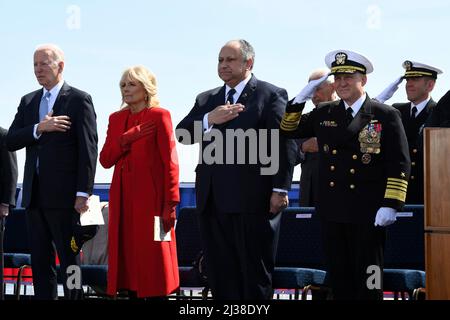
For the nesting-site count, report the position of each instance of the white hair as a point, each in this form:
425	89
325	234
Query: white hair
319	73
56	52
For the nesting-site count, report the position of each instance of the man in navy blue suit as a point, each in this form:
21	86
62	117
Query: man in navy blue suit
239	197
57	126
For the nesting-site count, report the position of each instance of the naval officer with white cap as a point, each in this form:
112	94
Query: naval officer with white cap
420	81
364	169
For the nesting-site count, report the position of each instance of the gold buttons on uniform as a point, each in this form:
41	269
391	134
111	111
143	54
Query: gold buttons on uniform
332	168
355	157
412	178
352	186
414	150
352	171
334	151
331	184
413	164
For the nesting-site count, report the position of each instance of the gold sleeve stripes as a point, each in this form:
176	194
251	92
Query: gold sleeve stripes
396	189
290	121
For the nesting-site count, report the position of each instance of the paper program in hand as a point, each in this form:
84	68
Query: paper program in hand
93	216
160	234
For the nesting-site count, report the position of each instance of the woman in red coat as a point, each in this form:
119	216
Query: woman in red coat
144	188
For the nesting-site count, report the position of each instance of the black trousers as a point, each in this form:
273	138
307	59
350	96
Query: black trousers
51	231
239	251
350	250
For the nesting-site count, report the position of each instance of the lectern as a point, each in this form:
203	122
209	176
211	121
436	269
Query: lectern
437	212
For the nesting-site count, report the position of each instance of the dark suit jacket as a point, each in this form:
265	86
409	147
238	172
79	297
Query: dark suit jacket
440	116
413	128
309	180
8	172
240	188
352	189
67	160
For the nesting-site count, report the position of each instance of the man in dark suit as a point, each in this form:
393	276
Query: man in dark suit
57	126
8	176
8	184
239	197
308	147
440	115
420	81
364	169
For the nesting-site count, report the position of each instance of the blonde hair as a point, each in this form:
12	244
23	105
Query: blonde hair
148	81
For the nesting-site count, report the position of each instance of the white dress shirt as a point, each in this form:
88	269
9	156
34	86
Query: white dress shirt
419	106
357	105
239	88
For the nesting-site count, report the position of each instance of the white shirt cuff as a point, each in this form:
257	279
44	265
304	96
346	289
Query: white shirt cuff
36	136
279	190
82	194
206	129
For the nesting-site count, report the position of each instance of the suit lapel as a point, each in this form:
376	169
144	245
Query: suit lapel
248	91
426	111
60	100
405	110
361	119
35	103
218	99
337	113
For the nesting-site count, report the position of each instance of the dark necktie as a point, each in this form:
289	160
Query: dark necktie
349	115
413	112
230	95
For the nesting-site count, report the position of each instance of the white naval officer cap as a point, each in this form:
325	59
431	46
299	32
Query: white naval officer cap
417	69
346	61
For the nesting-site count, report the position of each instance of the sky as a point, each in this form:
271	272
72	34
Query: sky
180	41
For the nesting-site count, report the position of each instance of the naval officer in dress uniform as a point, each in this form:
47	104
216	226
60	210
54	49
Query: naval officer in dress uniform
364	169
420	81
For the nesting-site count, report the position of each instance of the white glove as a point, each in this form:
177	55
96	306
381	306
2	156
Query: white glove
308	91
389	91
385	216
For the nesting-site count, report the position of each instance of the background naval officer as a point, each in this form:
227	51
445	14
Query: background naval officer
308	148
364	170
420	81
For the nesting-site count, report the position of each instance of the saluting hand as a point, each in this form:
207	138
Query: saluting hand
224	113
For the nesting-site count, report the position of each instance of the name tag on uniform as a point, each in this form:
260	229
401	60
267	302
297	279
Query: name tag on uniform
328	123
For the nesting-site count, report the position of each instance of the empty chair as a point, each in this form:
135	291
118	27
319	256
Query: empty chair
404	257
300	259
189	248
16	246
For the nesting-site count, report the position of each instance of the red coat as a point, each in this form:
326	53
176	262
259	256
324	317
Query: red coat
145	178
